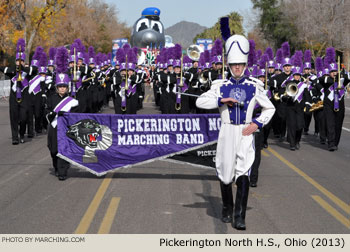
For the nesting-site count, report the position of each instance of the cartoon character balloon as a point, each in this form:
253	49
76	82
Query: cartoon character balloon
148	30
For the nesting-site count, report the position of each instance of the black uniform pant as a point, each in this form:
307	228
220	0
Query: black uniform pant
307	119
254	172
281	118
18	116
295	124
320	124
35	112
334	124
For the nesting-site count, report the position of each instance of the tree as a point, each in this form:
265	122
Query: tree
275	27
12	25
235	22
39	12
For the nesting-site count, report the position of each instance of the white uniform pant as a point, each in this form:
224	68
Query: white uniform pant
235	153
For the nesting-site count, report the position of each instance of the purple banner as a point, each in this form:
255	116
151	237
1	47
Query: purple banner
104	142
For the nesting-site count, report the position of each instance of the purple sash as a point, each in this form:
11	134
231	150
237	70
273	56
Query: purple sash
34	84
300	97
288	79
19	88
338	94
63	103
123	95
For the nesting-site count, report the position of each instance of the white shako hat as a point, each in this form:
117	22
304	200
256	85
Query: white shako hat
237	49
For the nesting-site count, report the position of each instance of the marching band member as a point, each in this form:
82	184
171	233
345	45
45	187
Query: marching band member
236	99
57	105
334	107
292	94
19	97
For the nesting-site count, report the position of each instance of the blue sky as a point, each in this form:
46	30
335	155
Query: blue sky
205	12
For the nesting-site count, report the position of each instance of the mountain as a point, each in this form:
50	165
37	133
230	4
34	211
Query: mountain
184	32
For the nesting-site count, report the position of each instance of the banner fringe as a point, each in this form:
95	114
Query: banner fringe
141	163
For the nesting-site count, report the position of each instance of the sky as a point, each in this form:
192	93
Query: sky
205	12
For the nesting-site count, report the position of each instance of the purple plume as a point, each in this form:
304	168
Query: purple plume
126	46
319	64
86	57
52	53
269	53
120	55
286	50
43	60
187	59
132	56
206	56
279	56
217	47
21	45
201	59
307	56
225	28
252	53
72	46
258	54
264	59
80	47
91	52
330	56
61	60
298	59
99	58
177	51
38	51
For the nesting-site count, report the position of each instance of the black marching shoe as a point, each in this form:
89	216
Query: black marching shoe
62	177
297	146
227	202
15	142
253	184
332	148
21	139
266	145
241	202
292	148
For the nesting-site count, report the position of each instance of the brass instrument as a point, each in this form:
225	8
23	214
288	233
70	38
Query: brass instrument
194	52
126	73
93	75
20	78
126	87
178	105
291	91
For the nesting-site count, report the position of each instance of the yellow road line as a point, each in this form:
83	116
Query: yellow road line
95	203
264	153
345	207
332	211
109	216
146	99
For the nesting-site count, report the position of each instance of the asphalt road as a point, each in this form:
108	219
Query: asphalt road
306	191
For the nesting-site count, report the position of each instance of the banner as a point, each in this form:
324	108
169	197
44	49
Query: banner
104	142
116	44
205	44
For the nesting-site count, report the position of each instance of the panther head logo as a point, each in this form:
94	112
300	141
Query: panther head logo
85	133
91	136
